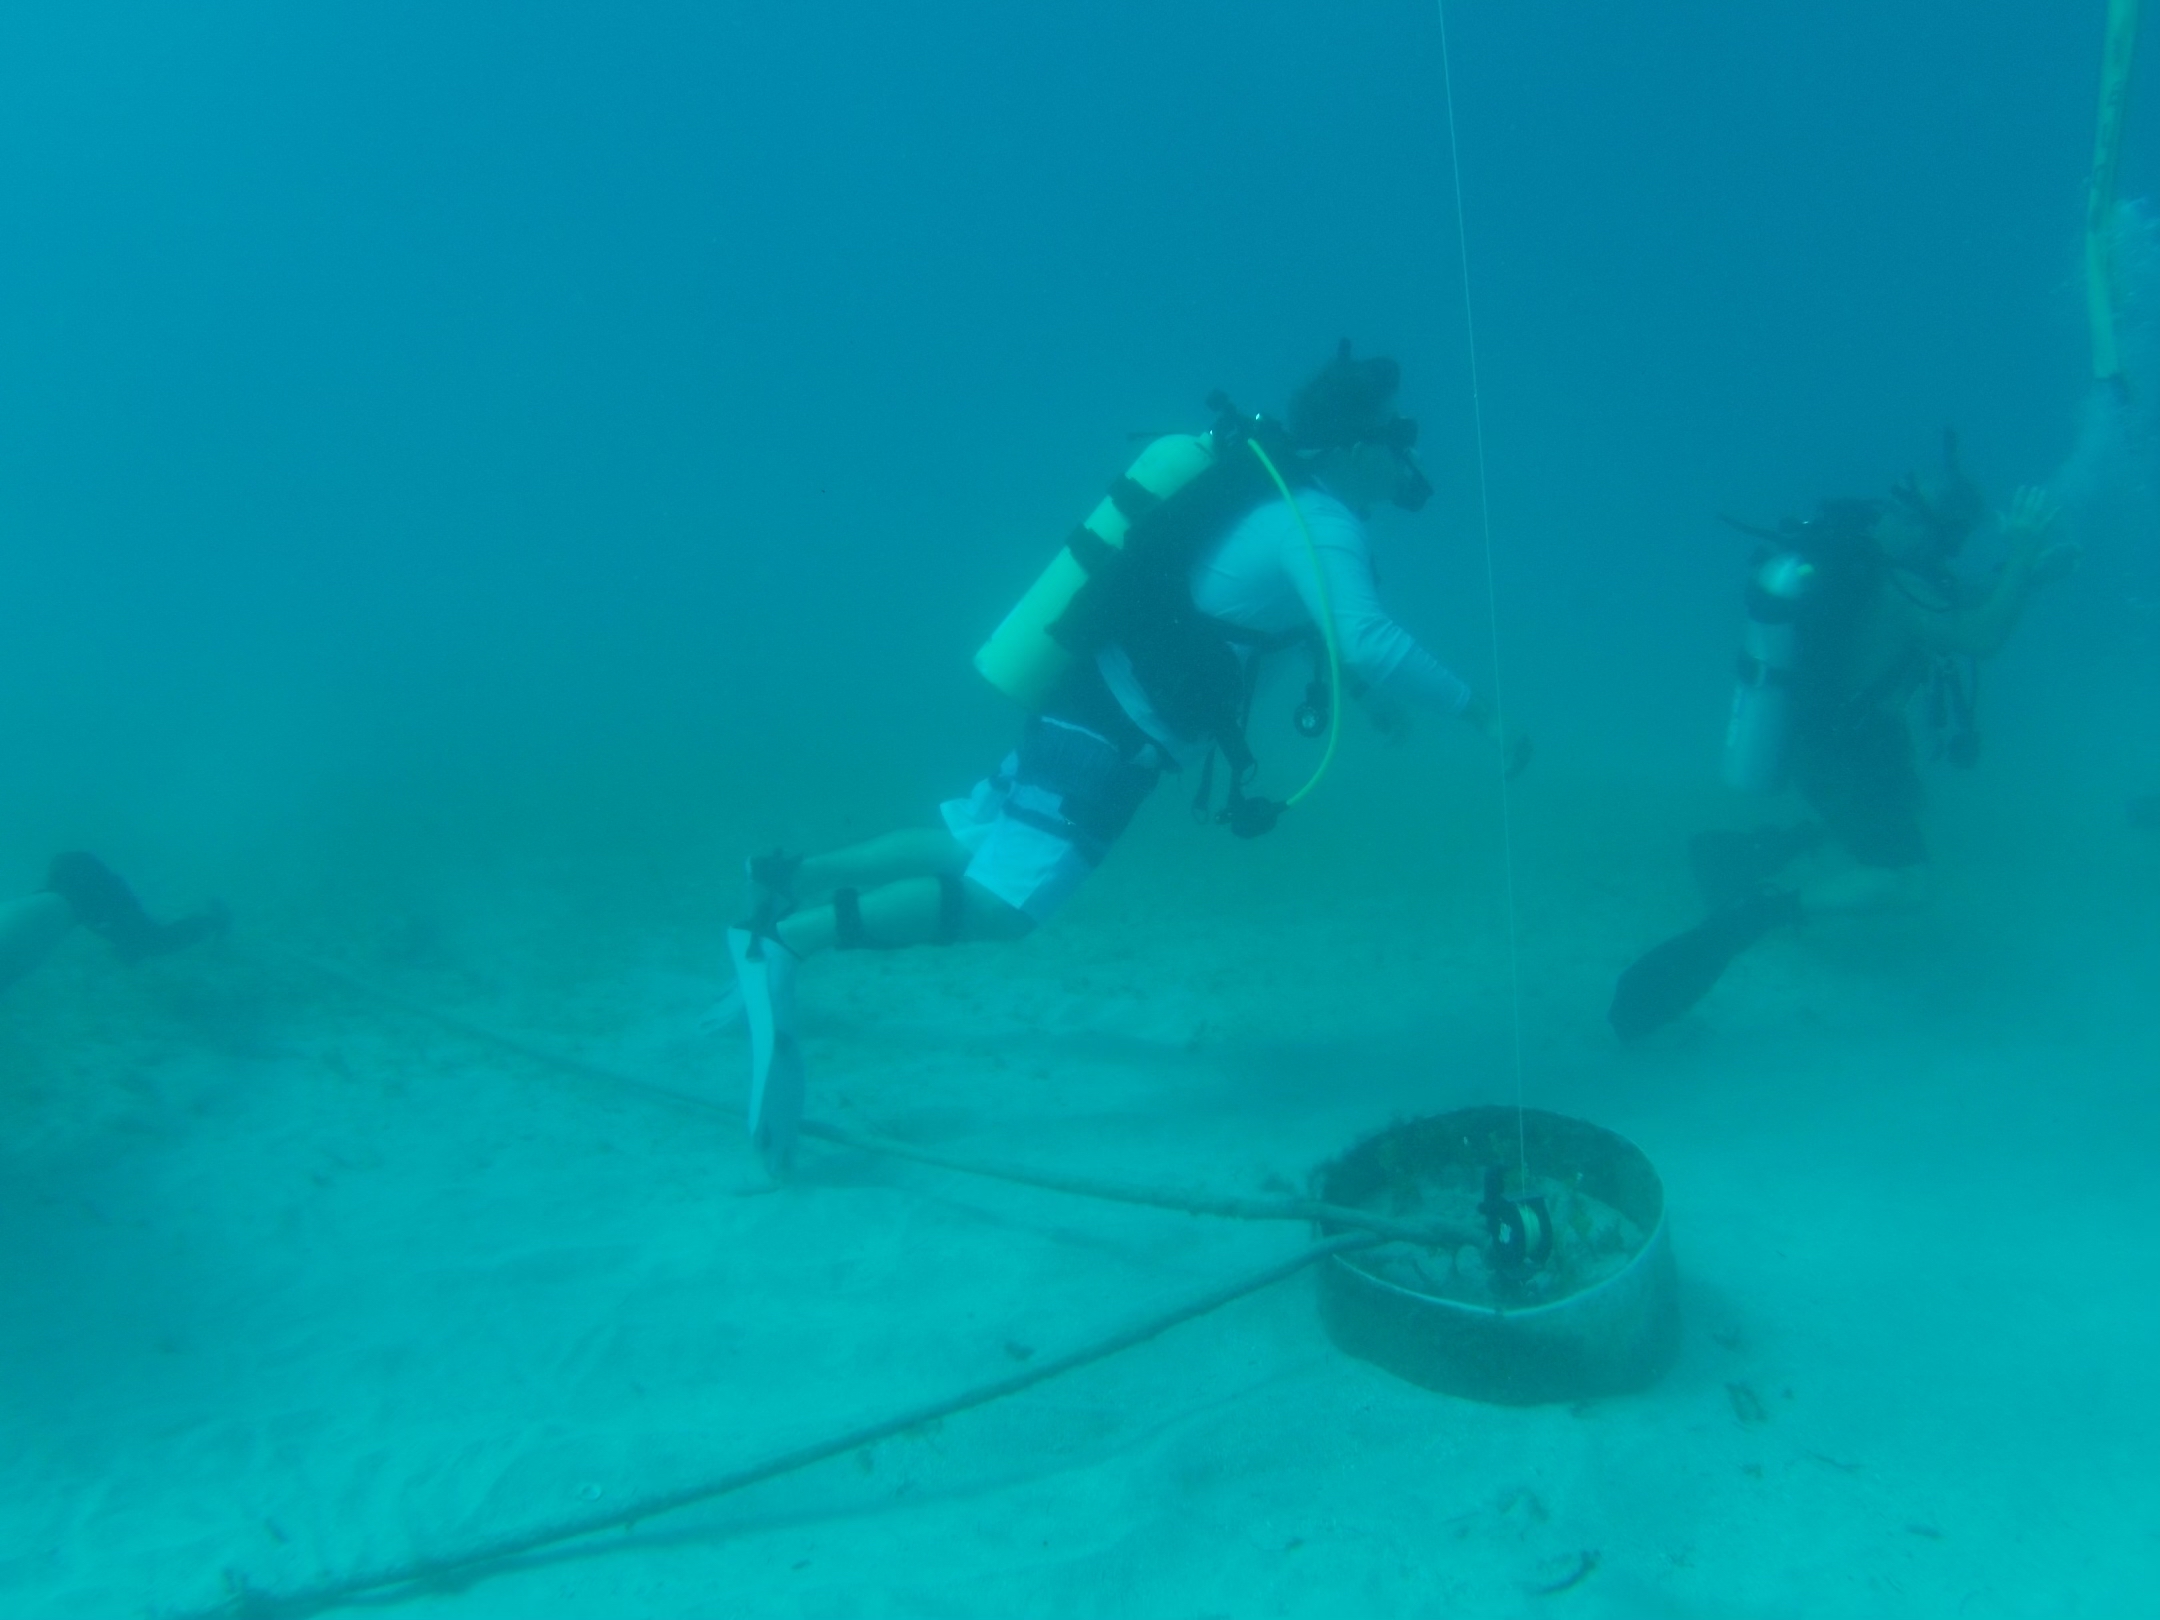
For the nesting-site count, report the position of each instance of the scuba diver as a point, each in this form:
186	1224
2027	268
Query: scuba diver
1135	654
1852	616
80	888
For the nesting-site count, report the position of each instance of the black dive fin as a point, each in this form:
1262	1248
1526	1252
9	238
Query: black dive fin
107	907
1670	978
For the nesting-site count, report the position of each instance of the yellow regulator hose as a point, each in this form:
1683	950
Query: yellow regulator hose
1327	628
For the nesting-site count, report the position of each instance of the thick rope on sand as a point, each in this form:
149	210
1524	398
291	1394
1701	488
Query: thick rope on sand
430	1576
425	1576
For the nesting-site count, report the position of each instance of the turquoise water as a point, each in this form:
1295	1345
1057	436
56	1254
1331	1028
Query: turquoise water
470	476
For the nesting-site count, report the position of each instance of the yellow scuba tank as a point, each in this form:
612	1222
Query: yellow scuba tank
1021	658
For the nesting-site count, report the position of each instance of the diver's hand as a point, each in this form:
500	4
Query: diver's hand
2025	526
1514	746
2025	530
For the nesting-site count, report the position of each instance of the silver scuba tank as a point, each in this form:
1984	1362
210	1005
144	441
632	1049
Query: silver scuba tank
1761	721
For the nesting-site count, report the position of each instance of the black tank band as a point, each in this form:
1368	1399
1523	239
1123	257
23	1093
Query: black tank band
952	908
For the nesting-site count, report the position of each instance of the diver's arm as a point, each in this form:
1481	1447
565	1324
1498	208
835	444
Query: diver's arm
1381	654
1981	631
1374	649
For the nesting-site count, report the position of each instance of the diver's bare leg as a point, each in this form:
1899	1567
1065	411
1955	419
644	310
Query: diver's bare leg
900	880
913	852
909	912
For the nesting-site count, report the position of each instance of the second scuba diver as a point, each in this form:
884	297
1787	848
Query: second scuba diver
1135	654
81	889
1853	615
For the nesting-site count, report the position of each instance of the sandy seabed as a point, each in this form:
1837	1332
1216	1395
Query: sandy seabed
297	1284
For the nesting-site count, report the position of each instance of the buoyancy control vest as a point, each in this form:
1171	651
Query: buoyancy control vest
1123	578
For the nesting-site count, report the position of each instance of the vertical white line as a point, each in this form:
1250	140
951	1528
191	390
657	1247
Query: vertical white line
1492	598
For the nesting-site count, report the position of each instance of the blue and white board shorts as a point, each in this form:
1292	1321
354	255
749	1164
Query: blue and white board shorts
1048	815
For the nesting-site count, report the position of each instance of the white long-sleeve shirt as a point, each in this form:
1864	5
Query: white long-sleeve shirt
1260	577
